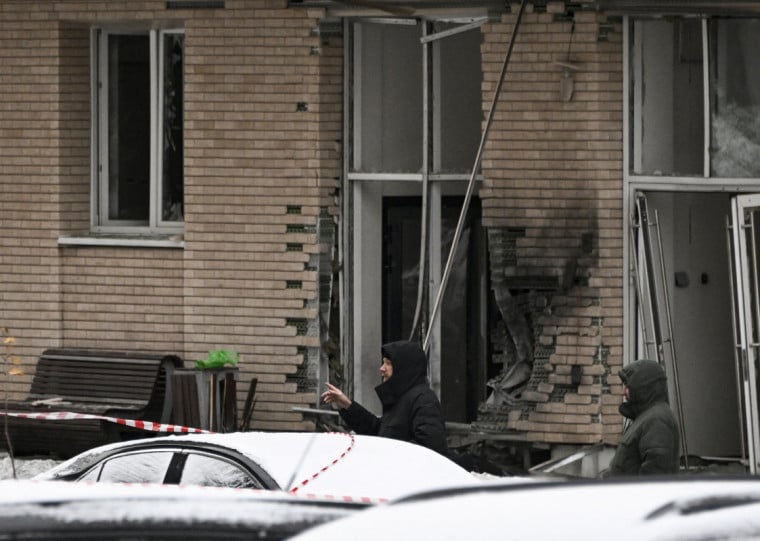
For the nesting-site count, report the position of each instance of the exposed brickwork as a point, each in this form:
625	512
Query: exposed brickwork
553	183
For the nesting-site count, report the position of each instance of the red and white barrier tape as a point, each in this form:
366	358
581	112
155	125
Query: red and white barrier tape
134	423
178	429
317	474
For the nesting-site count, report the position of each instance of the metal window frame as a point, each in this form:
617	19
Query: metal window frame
437	184
651	183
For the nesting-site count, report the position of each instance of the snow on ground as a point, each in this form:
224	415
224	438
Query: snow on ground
26	467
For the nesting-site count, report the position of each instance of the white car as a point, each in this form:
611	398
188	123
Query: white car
677	508
54	511
366	469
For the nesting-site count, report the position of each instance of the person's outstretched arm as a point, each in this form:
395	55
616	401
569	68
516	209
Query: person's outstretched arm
333	395
358	419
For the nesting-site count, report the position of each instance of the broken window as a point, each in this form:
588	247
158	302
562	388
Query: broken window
388	66
670	114
667	98
416	114
458	103
735	98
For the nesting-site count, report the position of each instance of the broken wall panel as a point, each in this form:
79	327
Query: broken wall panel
551	195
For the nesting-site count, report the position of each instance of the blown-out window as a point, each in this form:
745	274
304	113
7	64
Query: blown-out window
138	135
694	98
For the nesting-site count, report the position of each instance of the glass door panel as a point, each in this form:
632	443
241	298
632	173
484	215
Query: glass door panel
461	381
745	239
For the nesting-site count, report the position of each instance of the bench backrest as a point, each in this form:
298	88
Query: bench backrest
107	377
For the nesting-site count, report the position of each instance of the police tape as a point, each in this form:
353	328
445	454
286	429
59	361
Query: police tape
178	429
134	423
328	466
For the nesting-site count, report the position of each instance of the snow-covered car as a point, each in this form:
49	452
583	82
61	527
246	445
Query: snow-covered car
668	509
363	468
54	511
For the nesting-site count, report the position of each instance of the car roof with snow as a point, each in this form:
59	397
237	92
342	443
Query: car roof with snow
337	464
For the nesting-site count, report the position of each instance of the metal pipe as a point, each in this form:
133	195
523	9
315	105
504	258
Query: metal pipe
471	183
421	281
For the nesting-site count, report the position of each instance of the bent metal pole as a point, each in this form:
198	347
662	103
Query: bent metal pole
471	183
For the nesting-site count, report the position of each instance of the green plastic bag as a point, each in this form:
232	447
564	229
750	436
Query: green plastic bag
217	358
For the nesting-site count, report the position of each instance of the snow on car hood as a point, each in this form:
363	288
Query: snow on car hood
677	508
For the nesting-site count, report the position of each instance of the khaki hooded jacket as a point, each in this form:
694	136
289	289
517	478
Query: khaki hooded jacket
651	444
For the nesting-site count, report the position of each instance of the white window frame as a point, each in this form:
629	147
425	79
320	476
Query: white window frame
99	203
365	191
641	182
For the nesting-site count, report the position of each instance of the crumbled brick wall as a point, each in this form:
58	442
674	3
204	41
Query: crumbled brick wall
552	200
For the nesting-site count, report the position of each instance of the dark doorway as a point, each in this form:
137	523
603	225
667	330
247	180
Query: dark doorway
464	350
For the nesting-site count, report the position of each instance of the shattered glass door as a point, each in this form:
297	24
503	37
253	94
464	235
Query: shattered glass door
654	303
745	259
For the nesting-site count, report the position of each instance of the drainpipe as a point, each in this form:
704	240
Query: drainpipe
471	183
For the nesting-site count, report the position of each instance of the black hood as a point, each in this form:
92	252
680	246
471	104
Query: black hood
409	369
647	385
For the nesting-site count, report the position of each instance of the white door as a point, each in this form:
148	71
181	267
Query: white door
743	230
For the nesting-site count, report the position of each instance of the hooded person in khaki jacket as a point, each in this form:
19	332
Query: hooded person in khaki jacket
651	443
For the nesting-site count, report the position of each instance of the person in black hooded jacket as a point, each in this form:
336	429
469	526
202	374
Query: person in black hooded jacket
411	410
651	443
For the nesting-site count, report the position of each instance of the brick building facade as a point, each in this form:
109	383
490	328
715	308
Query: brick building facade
293	168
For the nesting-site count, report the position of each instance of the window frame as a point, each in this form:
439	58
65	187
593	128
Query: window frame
365	190
633	182
99	200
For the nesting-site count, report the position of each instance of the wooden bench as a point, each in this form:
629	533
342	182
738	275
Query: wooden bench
130	385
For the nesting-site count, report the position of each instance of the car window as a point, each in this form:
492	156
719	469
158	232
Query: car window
144	467
211	471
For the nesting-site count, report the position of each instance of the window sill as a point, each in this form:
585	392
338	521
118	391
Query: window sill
131	241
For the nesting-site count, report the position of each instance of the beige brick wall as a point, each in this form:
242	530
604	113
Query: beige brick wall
29	168
263	116
258	174
553	171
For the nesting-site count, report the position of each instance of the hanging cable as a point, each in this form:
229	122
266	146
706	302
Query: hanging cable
471	183
421	282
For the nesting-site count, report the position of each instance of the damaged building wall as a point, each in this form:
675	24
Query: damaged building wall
552	203
319	354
